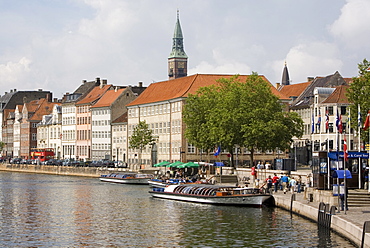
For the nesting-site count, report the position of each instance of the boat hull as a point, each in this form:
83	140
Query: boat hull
144	181
245	200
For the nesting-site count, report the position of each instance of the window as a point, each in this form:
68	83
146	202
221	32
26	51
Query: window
191	148
330	110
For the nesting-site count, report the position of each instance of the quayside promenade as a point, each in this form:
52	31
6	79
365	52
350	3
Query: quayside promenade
348	223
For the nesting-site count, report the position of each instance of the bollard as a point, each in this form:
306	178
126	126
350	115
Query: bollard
292	199
366	229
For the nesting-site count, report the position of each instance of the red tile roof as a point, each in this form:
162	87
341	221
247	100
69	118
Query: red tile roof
108	98
338	95
94	94
182	87
121	119
293	90
40	108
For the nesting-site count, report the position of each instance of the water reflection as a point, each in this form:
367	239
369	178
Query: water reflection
44	210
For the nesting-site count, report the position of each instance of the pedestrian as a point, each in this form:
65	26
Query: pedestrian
285	181
293	185
259	165
299	184
269	183
343	193
275	182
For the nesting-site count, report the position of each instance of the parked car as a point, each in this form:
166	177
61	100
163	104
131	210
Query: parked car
15	160
120	164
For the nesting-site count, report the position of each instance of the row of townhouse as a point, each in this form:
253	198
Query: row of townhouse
82	127
93	123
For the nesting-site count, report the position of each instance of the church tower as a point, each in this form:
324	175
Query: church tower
178	60
285	79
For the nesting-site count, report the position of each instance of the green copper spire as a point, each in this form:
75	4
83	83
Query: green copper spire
178	45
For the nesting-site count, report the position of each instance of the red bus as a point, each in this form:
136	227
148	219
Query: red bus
42	154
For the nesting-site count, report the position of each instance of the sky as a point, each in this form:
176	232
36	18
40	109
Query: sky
55	44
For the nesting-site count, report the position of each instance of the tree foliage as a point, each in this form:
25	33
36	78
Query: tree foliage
359	92
141	136
2	144
234	113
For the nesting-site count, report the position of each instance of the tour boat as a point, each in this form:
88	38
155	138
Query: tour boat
159	183
126	178
218	195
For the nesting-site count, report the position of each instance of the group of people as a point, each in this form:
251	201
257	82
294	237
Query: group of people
284	183
266	166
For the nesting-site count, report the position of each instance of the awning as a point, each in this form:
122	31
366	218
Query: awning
340	174
218	164
163	163
175	164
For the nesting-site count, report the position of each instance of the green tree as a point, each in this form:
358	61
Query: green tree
233	113
2	144
141	137
358	93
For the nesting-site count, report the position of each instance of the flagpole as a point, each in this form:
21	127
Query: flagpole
345	150
359	146
327	144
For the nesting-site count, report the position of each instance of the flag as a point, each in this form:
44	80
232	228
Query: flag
367	121
345	149
217	151
319	121
338	122
327	120
313	124
359	118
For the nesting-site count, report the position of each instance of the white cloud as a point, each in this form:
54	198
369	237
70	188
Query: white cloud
310	60
12	72
352	26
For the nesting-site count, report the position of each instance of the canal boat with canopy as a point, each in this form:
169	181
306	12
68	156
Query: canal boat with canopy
217	195
126	178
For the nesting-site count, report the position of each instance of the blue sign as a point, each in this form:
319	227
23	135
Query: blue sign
333	155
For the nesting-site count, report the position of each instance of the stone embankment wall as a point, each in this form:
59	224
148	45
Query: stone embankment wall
339	223
60	170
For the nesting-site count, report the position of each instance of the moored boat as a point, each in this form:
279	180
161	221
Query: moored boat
218	195
160	183
126	178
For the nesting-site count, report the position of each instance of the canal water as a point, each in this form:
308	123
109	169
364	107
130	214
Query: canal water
39	210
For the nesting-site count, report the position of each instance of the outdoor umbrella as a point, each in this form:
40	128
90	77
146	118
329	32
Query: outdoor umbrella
188	165
163	163
175	164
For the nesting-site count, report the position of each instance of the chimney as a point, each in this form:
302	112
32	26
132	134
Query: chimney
84	81
310	79
11	91
104	81
97	80
277	85
40	89
140	84
49	96
55	99
15	90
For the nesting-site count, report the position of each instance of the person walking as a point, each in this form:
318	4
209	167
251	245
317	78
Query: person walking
293	184
299	184
343	193
285	181
269	184
275	182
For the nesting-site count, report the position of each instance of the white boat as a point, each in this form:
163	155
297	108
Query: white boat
218	195
159	183
127	178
